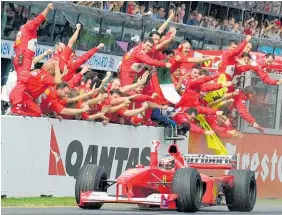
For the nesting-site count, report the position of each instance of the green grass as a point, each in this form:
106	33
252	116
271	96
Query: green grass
38	202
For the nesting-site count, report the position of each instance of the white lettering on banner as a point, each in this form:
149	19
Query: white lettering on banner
5	48
99	61
255	163
247	160
273	161
264	165
280	169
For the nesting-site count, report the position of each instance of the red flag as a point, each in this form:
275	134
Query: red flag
155	86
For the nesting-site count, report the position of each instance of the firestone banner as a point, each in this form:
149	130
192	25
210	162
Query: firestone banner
259	153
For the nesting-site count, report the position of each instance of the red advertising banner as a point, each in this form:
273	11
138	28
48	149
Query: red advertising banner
259	153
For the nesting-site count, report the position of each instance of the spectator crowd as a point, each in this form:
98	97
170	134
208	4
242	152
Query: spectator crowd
270	29
62	90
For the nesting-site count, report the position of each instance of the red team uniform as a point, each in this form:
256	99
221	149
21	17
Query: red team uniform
228	62
25	47
74	64
39	83
258	70
133	64
240	105
39	80
183	62
222	131
51	102
181	117
64	56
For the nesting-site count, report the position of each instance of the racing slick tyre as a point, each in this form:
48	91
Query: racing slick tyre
90	178
187	184
242	195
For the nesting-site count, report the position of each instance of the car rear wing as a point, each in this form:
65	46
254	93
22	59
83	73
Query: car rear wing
202	161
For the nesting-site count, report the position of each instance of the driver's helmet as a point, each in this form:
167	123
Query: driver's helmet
167	162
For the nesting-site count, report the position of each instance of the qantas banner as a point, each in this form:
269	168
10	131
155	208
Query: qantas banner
259	153
42	156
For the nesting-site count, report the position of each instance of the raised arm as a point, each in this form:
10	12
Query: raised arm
117	107
57	78
202	80
96	100
165	24
36	22
240	105
150	61
240	47
72	111
92	92
74	37
99	115
134	112
199	60
264	76
40	57
165	42
86	56
139	83
207	87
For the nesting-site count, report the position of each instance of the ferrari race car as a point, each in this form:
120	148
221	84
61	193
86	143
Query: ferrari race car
173	182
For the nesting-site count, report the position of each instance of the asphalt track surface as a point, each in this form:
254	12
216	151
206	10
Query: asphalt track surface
133	209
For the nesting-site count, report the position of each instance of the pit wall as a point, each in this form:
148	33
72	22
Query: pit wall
42	156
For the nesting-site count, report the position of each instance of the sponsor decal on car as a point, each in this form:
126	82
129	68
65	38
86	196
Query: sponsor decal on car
164	202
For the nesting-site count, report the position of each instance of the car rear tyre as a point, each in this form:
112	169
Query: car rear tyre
187	184
90	178
242	196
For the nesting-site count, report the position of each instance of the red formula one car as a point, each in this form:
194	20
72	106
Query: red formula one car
173	182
